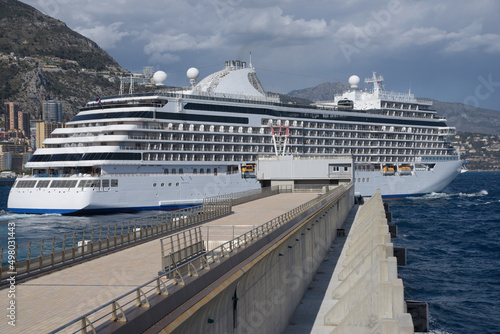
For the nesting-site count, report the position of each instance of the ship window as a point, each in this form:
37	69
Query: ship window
346	169
202	171
177	184
161	115
215	171
114	183
174	171
86	156
170	184
42	184
181	171
105	183
195	171
208	171
165	171
89	184
25	184
154	184
63	184
163	184
367	179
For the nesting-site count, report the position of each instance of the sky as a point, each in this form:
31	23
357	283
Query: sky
447	50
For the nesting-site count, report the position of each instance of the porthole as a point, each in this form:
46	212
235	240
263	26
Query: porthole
163	184
177	184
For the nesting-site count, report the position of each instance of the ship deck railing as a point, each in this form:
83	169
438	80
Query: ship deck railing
245	99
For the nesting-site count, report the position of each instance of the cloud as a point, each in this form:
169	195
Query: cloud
467	39
105	36
272	23
307	42
471	38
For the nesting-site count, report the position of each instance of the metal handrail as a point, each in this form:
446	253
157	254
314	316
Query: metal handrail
49	252
208	259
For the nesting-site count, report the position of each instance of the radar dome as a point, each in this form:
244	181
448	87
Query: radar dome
354	81
193	73
159	77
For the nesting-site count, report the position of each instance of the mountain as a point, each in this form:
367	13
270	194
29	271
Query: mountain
468	118
28	32
464	117
322	92
41	58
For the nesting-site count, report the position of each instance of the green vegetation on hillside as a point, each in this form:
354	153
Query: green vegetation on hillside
9	85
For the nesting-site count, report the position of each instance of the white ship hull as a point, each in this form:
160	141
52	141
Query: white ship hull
133	193
415	184
175	192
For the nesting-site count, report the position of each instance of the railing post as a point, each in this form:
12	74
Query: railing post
73	248
53	248
107	237
41	255
64	248
28	259
92	242
83	244
116	227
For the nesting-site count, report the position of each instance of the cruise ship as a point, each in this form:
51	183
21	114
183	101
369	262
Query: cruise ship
173	147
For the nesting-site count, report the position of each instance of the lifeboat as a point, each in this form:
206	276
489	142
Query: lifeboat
388	170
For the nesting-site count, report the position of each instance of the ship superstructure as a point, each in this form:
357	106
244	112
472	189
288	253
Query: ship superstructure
174	147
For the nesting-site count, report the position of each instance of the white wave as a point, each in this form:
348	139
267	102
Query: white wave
478	194
8	216
435	195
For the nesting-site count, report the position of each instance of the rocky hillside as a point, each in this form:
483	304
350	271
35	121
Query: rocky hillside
40	57
27	32
470	119
464	117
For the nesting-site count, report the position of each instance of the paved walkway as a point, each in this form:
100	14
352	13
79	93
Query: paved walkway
50	301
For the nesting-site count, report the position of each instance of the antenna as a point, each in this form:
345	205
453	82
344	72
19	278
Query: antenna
131	89
250	62
376	81
121	86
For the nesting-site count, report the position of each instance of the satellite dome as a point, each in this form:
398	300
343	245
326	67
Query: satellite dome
193	73
354	81
159	77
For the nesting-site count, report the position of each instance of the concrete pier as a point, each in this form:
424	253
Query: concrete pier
325	266
363	293
47	302
260	293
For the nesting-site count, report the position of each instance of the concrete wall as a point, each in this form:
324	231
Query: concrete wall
262	296
365	295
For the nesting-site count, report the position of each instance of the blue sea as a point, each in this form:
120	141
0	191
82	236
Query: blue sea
452	240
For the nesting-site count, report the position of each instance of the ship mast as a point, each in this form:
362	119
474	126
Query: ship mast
376	81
